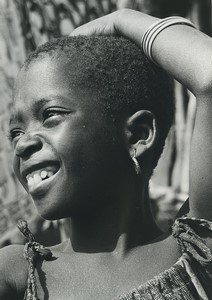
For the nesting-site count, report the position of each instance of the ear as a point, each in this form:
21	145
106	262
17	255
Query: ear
142	132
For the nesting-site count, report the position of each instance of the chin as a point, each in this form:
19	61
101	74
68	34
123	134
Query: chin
51	215
51	212
51	206
56	206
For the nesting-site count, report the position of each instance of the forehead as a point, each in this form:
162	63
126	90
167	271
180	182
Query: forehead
47	79
42	77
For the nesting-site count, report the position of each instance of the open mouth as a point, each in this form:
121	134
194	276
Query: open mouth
41	177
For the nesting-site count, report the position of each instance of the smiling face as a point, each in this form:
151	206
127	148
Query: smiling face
64	150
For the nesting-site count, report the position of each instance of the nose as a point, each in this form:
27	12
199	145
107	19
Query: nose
27	145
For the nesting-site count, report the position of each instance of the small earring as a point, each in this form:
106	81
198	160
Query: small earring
136	164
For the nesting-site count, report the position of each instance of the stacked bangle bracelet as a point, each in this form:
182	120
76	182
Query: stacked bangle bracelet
152	32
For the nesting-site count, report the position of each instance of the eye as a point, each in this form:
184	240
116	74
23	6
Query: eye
49	113
53	116
13	134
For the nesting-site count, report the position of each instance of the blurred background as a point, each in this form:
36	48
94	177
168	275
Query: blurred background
25	24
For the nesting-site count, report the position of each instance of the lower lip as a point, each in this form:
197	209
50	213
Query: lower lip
42	188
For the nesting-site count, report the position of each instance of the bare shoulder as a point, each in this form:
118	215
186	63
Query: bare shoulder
13	272
155	257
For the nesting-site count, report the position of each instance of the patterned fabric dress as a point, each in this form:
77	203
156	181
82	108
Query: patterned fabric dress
190	278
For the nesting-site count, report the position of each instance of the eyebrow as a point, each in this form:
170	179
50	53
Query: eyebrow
17	117
38	105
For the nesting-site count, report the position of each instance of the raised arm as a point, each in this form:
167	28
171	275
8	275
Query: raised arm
186	54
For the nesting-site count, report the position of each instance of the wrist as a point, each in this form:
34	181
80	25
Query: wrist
156	28
132	24
120	19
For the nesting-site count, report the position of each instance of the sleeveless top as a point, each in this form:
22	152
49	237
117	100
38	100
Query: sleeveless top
190	278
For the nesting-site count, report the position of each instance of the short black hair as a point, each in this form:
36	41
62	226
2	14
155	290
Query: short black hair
118	72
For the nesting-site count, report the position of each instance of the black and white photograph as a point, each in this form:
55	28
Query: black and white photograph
105	150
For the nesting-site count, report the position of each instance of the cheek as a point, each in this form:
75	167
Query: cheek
79	156
89	154
16	166
74	143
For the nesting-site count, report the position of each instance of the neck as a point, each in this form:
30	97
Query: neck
124	224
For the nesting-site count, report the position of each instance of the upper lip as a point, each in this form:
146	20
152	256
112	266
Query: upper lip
34	166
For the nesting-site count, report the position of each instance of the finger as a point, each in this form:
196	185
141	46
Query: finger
93	27
101	26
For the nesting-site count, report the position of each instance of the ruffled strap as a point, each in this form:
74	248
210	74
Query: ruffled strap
185	231
32	249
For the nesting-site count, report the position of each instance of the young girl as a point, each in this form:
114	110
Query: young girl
87	132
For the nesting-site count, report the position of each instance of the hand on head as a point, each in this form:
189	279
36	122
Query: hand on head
102	26
124	22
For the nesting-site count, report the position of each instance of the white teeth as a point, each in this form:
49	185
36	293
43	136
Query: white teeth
43	174
37	178
50	173
30	181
